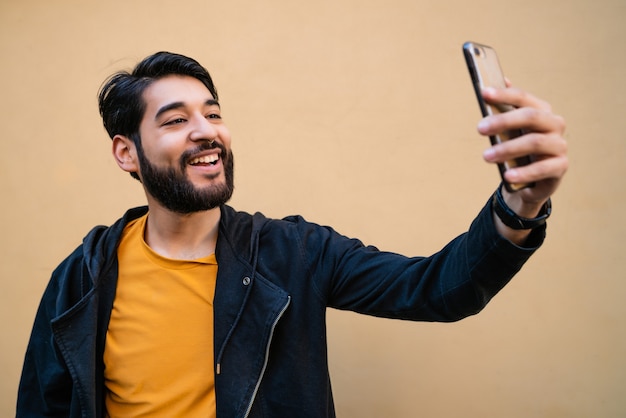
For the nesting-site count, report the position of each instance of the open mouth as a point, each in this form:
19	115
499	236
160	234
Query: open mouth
209	160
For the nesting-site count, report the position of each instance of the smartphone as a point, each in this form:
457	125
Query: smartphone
485	71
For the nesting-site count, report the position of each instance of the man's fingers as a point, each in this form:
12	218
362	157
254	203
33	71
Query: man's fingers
539	170
527	118
538	144
515	97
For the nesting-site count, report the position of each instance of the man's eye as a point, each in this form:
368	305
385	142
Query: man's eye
174	121
214	116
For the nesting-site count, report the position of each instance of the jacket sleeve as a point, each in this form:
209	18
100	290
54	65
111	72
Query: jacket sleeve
456	282
46	388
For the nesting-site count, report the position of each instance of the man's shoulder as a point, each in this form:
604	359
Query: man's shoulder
100	243
257	221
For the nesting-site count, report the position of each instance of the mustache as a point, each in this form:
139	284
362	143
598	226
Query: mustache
204	146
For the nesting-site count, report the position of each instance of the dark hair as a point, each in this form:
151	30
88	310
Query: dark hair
120	98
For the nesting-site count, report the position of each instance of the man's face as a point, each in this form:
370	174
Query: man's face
185	160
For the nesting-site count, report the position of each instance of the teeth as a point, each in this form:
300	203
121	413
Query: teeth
208	159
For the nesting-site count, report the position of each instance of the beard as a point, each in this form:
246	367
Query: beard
171	187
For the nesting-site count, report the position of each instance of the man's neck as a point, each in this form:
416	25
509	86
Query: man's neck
182	237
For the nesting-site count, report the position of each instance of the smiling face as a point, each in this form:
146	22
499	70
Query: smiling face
184	155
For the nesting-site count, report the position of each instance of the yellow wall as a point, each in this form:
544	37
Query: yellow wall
358	114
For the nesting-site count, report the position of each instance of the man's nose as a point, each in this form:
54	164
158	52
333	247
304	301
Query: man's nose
203	130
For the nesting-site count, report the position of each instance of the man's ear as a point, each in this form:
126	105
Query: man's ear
125	153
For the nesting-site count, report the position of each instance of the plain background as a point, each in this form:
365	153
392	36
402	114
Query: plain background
358	114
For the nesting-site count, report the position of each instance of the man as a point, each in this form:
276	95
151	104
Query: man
138	321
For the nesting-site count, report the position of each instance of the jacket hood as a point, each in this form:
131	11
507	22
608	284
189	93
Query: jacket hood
100	244
240	230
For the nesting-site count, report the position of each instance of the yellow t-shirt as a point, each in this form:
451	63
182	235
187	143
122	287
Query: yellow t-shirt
158	354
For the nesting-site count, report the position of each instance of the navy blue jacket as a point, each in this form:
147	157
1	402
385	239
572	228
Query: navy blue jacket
275	280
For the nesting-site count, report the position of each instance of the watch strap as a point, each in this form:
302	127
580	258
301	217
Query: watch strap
512	219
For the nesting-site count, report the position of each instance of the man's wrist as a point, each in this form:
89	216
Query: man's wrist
513	220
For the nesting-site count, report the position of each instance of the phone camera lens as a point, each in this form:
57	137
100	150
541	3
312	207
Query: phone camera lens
477	51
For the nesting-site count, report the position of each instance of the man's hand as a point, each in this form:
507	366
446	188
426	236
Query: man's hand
543	140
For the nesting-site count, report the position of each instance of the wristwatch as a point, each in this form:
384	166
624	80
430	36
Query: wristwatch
512	219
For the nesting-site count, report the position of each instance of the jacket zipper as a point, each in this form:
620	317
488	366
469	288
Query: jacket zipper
267	355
